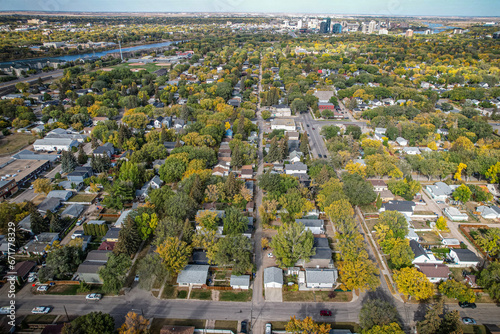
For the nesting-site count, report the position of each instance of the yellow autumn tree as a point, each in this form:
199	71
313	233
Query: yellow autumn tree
460	168
174	254
297	326
414	283
356	168
134	324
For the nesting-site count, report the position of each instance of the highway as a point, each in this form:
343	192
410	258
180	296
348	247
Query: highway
55	74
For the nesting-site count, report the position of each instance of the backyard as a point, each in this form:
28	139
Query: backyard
14	142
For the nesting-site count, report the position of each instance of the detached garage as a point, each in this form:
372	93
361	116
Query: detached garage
240	282
273	277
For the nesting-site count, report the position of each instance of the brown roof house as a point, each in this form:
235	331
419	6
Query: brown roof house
246	172
434	272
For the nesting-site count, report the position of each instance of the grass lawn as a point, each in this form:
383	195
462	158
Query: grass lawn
474	329
201	294
63	290
298	296
158	323
82	198
182	294
231	296
339	296
148	67
39	319
169	292
14	142
227	324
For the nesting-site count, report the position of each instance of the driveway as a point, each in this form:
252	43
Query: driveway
274	295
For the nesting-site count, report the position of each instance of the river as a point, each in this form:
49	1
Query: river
90	54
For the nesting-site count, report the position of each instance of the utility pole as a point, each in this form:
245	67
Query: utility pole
120	46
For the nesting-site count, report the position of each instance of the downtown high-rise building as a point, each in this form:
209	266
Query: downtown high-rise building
336	28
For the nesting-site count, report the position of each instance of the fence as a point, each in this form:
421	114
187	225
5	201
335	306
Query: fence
472	240
63	282
216	287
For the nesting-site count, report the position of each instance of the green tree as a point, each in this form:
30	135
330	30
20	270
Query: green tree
146	224
151	268
358	190
395	221
234	251
234	222
172	170
274	153
330	131
401	253
462	193
354	131
82	157
304	145
490	279
292	243
377	312
92	323
68	162
61	262
113	274
38	223
437	321
457	290
129	239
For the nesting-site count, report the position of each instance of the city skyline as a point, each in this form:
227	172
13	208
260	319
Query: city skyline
355	7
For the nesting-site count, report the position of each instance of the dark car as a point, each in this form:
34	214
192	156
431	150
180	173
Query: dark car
307	125
243	327
325	313
467	305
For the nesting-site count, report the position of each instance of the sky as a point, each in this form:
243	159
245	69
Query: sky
370	7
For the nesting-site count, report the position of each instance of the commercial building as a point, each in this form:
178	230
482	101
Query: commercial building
283	124
54	144
21	171
336	28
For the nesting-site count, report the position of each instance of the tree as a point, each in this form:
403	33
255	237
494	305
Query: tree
490	241
175	254
396	223
330	131
274	153
42	185
130	171
266	114
457	290
234	251
308	325
437	321
354	131
341	214
38	224
490	279
113	274
392	328
441	224
291	243
298	106
377	312
493	172
358	273
146	224
61	262
234	222
172	170
237	157
232	186
92	323
283	148
304	144
134	324
68	162
412	282
293	204
359	191
208	220
129	239
401	253
151	268
462	193
82	157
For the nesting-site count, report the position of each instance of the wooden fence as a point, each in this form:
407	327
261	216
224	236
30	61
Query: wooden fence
204	286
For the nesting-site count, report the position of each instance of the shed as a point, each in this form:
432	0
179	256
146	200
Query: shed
240	282
273	277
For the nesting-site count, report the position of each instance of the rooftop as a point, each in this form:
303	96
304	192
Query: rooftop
193	274
273	275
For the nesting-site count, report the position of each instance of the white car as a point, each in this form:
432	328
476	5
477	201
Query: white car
268	329
93	296
77	235
31	279
136	278
41	310
270	255
42	288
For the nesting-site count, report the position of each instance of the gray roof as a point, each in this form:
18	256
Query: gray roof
321	275
193	274
242	280
89	267
108	147
400	206
440	189
25	223
49	204
273	275
296	166
98	256
200	257
112	233
311	222
62	194
465	255
30	155
55	141
68	184
119	222
73	210
417	249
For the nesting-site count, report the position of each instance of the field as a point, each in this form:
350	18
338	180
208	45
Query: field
151	67
14	142
232	296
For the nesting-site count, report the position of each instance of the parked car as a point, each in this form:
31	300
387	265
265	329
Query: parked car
136	278
467	305
268	329
325	313
42	288
468	321
270	255
77	234
41	310
93	296
243	327
307	125
5	310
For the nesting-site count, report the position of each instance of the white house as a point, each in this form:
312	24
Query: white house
193	275
63	195
273	277
439	191
455	214
54	144
492	212
404	207
463	257
379	133
321	278
316	226
240	282
296	168
295	156
283	124
411	150
421	256
401	141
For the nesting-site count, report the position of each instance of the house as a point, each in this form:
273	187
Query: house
296	168
316	226
420	255
170	145
22	270
246	172
492	212
322	257
107	245
158	122
123	216
80	174
73	211
193	275
411	150
439	191
71	186
49	204
435	272
168	329
379	185
295	156
112	234
401	141
220	171
404	207
283	124
158	163
54	144
240	282
386	195
96	120
66	134
379	133
273	277
154	183
455	214
63	195
321	278
88	272
324	96
463	257
292	135
41	242
106	149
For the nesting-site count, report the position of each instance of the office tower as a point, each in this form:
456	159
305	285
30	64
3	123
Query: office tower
409	33
372	26
337	28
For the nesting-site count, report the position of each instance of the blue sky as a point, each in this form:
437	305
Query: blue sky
374	7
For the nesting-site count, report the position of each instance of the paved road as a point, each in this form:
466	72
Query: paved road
315	139
54	74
